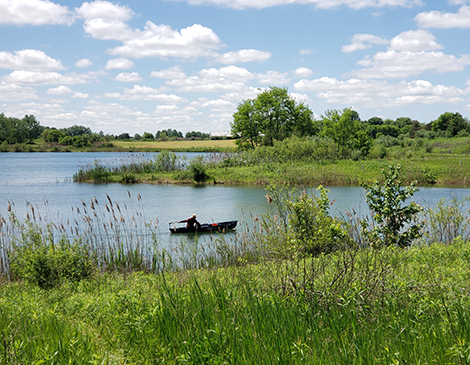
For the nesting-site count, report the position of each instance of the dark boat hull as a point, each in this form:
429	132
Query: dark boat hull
206	227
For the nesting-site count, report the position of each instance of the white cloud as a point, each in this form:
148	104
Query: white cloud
437	19
393	64
175	72
147	93
84	62
243	55
274	78
29	59
322	4
163	42
119	63
104	10
363	41
373	93
414	40
224	79
33	12
128	77
302	72
80	96
45	78
13	92
305	51
60	90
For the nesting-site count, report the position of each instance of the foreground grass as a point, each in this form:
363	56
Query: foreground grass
359	307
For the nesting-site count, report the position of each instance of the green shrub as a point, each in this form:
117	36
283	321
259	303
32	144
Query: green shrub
389	214
38	260
128	178
165	161
302	225
198	169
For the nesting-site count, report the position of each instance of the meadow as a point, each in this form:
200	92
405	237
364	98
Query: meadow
79	294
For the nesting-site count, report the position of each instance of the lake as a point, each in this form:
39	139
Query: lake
44	181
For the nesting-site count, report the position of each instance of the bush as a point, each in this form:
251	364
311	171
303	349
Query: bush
165	161
42	262
198	169
389	215
302	225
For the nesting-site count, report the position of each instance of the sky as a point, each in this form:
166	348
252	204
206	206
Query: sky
138	66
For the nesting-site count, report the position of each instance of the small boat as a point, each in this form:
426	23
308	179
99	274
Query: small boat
205	227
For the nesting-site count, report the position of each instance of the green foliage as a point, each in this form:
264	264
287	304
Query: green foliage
165	161
451	123
272	116
448	221
392	216
96	173
302	225
128	178
38	260
198	169
345	128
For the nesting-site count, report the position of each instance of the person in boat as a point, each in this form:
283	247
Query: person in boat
191	222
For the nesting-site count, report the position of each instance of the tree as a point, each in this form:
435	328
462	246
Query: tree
246	123
32	127
345	129
452	123
393	220
273	115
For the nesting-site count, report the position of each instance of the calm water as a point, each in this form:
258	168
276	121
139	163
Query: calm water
44	180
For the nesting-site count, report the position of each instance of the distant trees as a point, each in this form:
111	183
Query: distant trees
451	123
14	130
169	133
273	115
347	131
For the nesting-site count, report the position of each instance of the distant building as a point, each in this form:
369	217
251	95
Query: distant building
223	134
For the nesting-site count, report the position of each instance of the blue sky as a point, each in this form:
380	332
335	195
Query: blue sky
140	66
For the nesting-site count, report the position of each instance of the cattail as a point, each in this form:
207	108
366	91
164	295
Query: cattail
9	207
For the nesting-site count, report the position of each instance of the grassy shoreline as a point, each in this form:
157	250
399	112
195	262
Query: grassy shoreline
413	310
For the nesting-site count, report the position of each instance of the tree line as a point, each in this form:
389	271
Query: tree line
28	129
274	116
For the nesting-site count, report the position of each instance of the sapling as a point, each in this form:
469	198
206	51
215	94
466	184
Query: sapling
394	219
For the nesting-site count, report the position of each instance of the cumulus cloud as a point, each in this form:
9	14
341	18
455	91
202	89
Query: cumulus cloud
80	96
302	72
104	10
138	92
14	92
414	40
274	78
60	90
394	64
44	78
119	63
363	41
128	77
29	59
175	72
242	56
34	12
374	93
163	42
321	4
84	62
224	79
438	19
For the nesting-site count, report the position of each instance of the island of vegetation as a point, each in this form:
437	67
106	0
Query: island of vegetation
300	286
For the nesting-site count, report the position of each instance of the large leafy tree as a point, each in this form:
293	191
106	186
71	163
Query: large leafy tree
452	123
273	115
32	128
346	130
